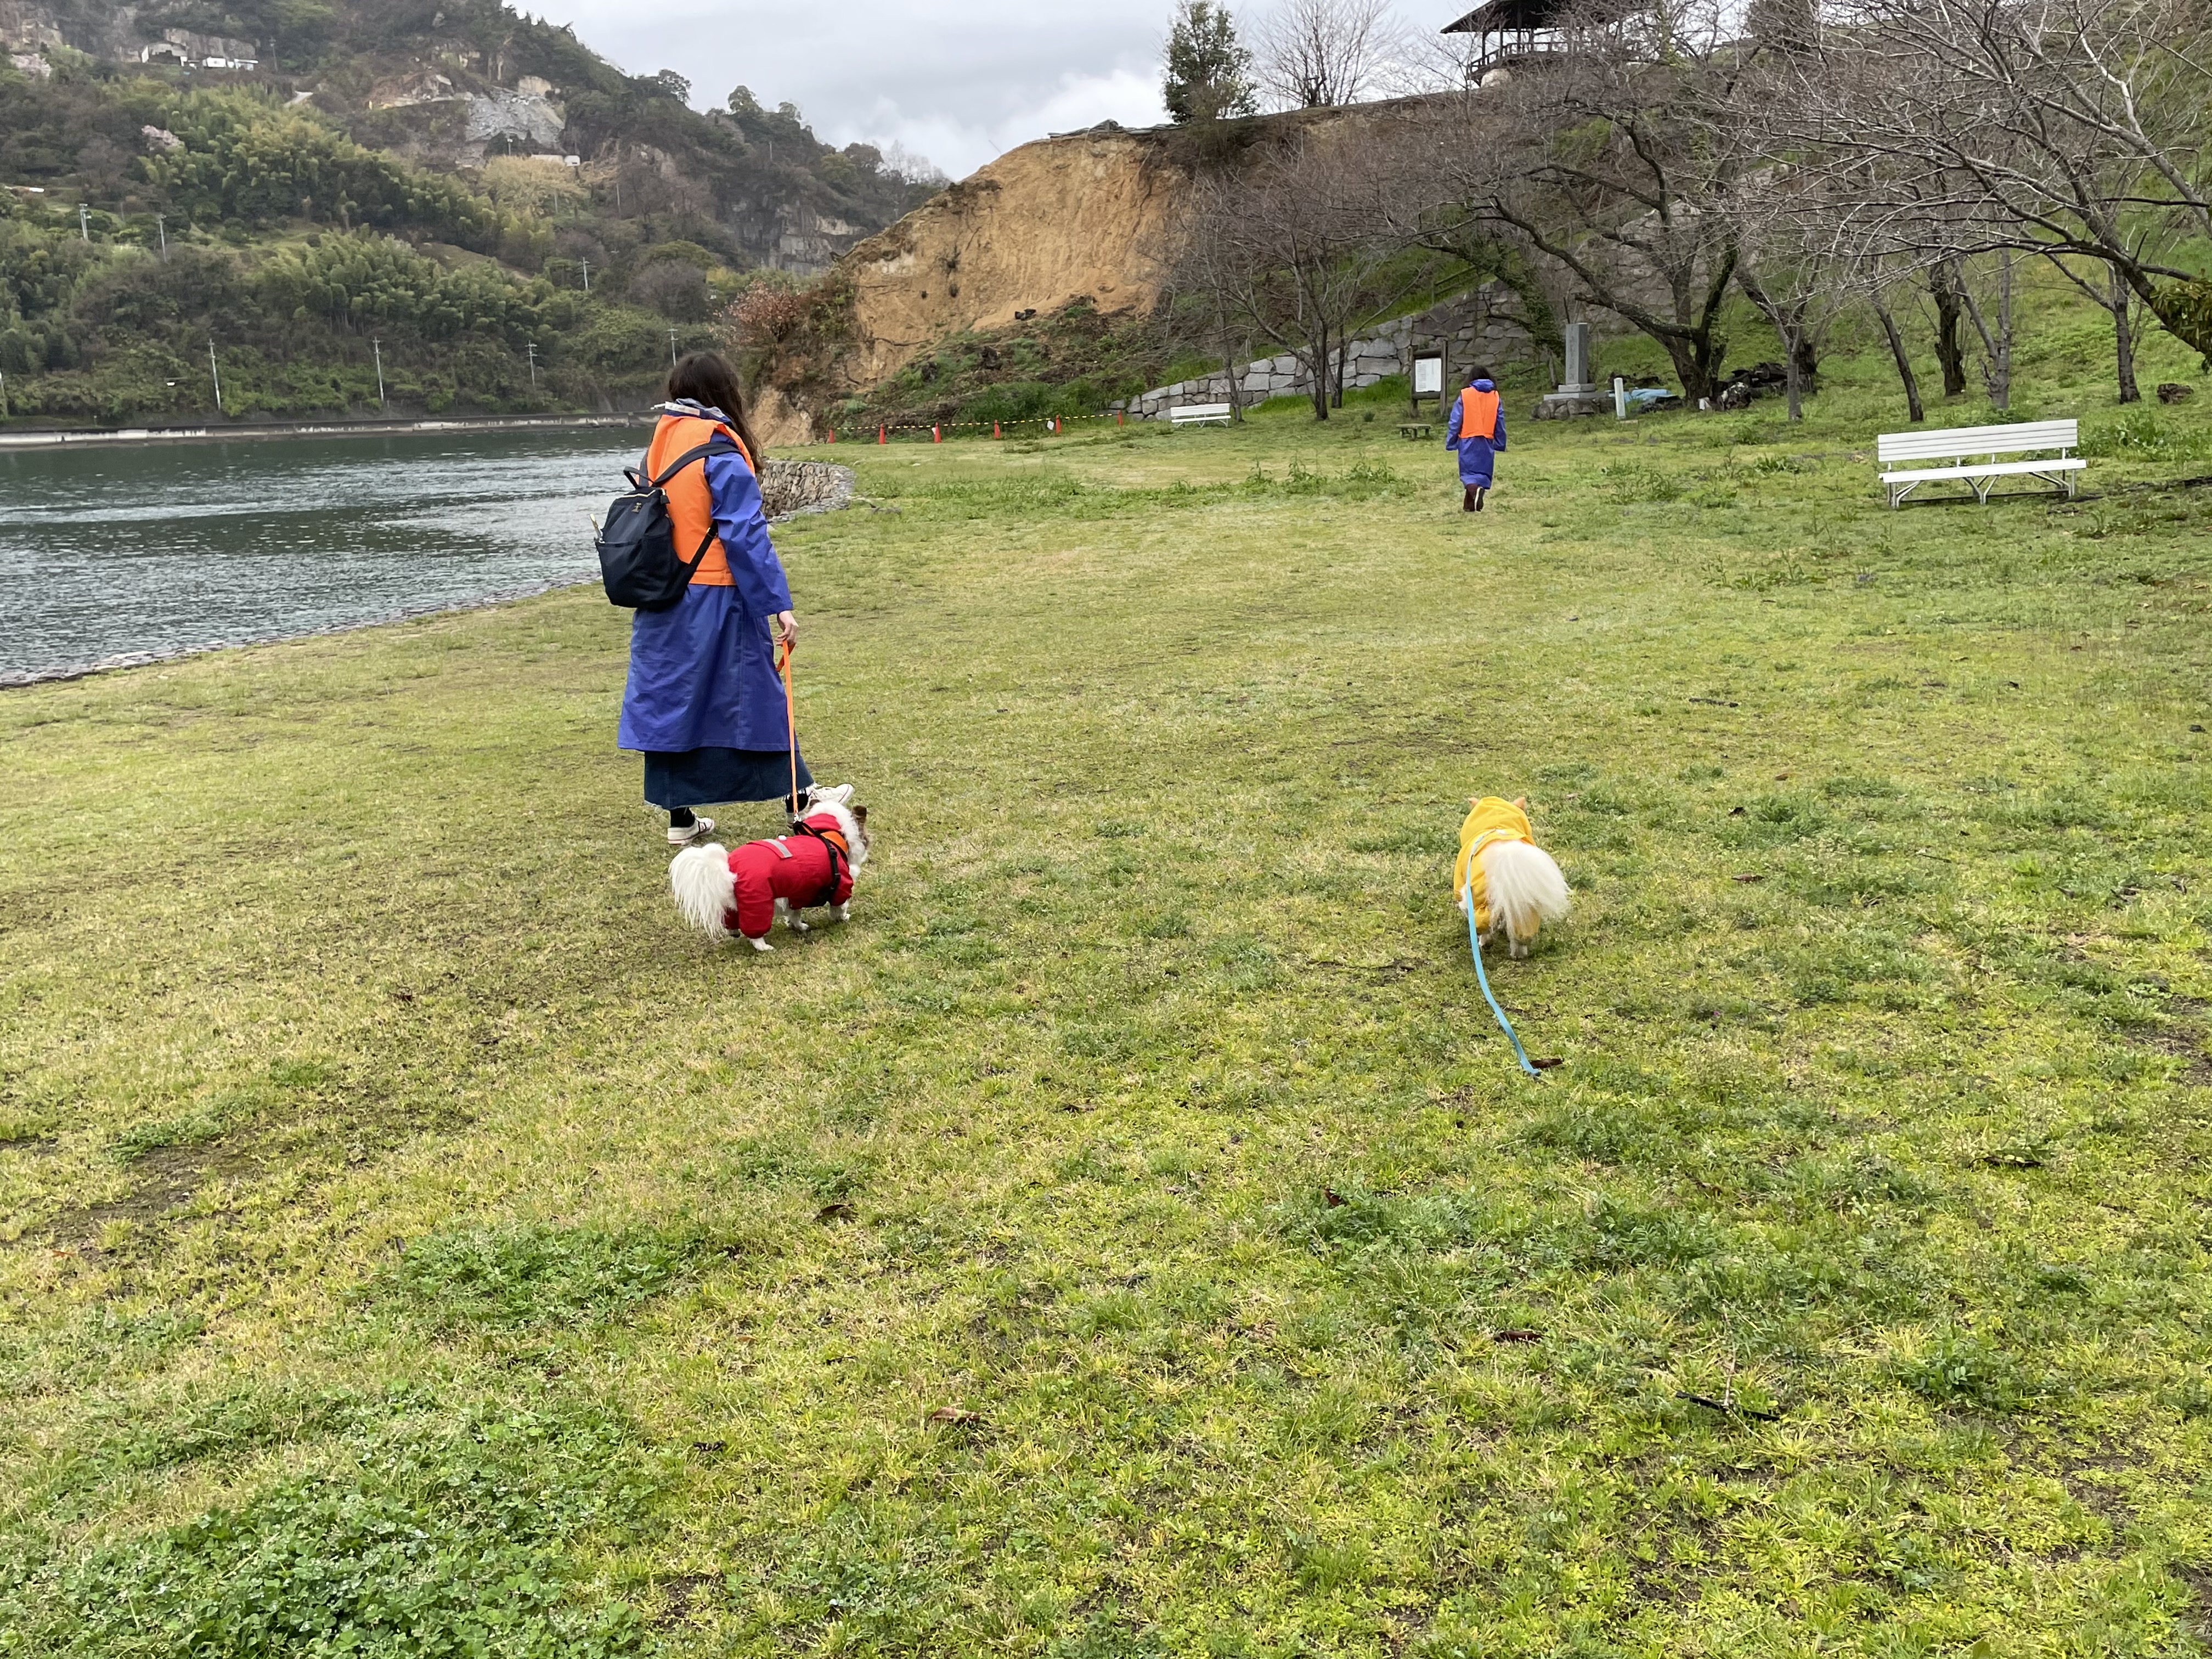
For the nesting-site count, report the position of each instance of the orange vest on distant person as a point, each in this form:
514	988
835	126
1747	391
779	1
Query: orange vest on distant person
690	499
1478	414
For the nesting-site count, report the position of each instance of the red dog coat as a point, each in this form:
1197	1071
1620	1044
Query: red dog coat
795	868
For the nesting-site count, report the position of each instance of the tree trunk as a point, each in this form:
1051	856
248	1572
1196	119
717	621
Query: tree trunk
1693	365
1996	347
2001	359
1317	371
1793	378
1805	359
1914	411
2124	338
1943	288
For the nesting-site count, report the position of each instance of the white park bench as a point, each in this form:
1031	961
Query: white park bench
1973	453
1201	414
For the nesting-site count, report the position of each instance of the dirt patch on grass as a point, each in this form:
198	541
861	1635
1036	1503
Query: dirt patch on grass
685	1596
2184	1038
165	1180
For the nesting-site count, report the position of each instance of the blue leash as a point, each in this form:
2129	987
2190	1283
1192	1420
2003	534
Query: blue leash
1475	945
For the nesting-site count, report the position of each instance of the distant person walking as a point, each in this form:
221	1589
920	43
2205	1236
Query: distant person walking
704	704
1477	433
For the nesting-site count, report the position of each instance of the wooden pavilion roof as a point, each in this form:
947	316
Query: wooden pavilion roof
1510	17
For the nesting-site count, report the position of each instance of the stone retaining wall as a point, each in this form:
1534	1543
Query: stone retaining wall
1468	330
790	490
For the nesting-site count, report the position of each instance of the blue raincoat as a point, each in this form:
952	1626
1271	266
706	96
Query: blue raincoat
1476	468
703	679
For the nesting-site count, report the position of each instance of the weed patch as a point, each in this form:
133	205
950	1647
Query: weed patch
521	1274
422	1540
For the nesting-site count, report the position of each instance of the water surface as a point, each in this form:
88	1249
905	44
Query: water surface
119	553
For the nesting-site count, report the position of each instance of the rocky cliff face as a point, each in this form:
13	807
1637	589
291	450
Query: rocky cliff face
1091	216
103	31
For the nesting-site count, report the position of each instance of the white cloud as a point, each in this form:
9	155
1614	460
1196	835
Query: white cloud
957	81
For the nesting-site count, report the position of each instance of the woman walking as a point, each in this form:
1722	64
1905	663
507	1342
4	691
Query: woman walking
704	703
1477	433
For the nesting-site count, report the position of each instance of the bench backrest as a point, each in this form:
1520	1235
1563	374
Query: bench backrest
1200	411
1968	442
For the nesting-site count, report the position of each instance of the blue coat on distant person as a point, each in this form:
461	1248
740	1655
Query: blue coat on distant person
1477	446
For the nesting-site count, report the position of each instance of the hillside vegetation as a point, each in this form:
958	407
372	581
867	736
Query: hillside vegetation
304	218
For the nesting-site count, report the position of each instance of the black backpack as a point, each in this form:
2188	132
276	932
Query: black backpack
638	560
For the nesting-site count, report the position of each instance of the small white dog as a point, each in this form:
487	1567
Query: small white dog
1503	876
721	892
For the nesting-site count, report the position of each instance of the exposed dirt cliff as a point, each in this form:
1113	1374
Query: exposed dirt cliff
1054	222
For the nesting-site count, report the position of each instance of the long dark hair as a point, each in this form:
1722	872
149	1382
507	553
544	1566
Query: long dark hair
706	377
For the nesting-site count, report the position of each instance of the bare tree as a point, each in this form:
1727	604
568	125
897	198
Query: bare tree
1794	261
2107	288
1292	249
2060	128
1601	160
1319	54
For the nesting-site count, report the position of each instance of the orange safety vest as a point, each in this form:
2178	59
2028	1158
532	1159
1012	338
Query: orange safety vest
690	499
1478	413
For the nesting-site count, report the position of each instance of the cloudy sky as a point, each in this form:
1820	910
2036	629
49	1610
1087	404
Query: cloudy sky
956	81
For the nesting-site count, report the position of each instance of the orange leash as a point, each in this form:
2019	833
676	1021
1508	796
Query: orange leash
790	720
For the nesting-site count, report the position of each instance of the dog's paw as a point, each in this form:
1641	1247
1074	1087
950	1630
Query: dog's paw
1520	951
842	912
760	945
796	924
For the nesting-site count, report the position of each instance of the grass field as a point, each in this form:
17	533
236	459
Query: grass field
1130	1236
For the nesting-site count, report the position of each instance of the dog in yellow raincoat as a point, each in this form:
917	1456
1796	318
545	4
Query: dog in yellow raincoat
1503	876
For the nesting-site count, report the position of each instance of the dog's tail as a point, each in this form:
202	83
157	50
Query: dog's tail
1526	888
706	891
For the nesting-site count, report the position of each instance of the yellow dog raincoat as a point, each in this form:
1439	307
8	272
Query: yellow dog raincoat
1493	821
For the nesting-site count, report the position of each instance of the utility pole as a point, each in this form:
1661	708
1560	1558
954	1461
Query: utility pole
533	368
377	346
587	276
84	221
672	347
161	227
215	369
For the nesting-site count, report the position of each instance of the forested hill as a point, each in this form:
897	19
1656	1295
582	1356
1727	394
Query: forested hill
505	218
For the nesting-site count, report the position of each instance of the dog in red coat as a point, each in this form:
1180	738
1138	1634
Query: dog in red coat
721	892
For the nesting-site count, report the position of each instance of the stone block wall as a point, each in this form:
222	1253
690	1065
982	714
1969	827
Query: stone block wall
1467	329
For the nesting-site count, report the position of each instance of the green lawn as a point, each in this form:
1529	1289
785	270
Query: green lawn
1130	1236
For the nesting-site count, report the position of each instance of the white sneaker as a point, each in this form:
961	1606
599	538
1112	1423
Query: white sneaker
698	830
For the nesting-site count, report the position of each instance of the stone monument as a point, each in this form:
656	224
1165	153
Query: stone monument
1577	394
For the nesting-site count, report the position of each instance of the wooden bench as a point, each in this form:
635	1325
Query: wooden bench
1973	453
1202	415
1414	429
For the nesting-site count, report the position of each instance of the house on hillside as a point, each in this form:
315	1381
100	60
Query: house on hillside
182	49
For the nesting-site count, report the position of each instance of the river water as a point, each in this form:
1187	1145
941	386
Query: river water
120	553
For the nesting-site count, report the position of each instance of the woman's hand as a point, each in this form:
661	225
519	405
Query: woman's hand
787	629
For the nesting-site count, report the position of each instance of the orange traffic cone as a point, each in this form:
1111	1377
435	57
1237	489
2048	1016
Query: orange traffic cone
995	433
937	435
883	434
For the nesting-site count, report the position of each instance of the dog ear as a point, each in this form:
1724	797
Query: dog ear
1521	801
860	816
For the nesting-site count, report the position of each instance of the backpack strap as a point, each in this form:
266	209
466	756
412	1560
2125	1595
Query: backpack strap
720	444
